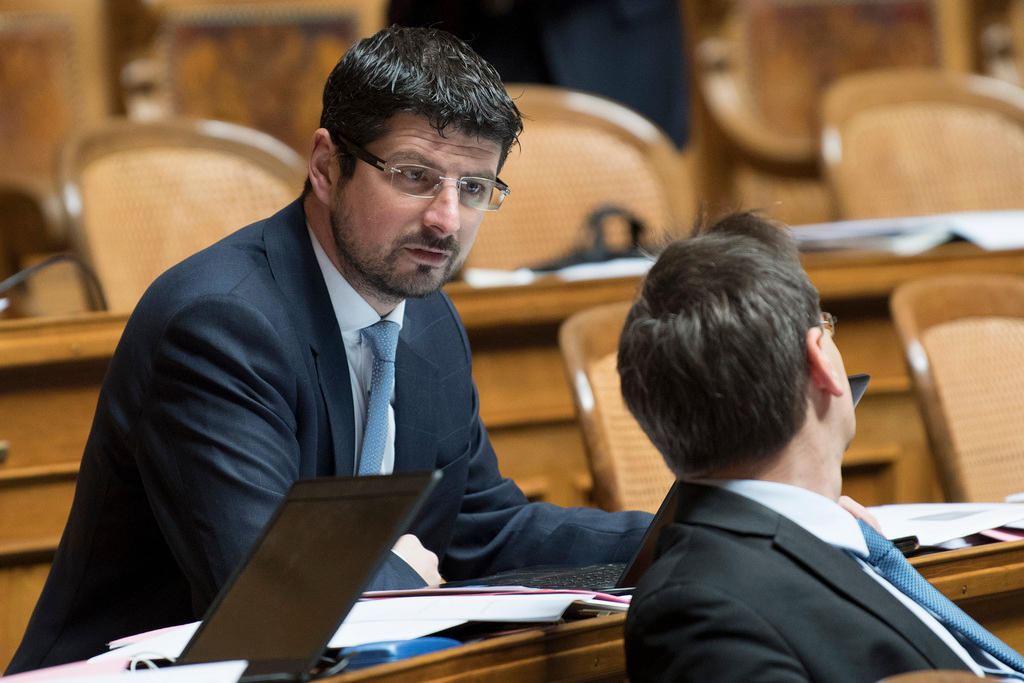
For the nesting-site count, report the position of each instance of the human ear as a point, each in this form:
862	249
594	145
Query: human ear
323	167
821	365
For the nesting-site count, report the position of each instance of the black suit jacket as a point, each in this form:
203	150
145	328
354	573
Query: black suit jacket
229	383
740	593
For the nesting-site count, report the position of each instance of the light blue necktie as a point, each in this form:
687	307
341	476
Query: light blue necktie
383	339
891	564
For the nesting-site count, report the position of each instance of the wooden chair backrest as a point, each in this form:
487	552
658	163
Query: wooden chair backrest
142	196
761	65
628	471
963	342
53	82
579	152
917	142
259	64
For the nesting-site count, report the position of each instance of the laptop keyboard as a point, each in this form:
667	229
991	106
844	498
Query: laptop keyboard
592	577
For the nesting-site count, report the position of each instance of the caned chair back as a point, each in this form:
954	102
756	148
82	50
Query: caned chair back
52	83
142	196
259	64
761	65
628	471
963	342
919	142
579	152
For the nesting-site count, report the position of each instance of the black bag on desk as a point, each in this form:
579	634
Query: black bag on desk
597	251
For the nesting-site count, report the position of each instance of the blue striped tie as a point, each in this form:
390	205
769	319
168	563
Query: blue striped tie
891	564
383	339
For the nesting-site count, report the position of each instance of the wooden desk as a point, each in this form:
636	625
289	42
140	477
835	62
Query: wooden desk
589	650
987	581
51	370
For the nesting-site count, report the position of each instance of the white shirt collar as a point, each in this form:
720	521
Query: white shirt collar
817	514
352	310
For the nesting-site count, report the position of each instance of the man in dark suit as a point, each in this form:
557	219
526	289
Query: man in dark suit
730	367
246	367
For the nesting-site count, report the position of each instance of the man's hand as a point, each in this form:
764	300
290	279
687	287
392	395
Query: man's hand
859	511
412	552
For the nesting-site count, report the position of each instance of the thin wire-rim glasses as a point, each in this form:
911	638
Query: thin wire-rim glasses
829	322
416	180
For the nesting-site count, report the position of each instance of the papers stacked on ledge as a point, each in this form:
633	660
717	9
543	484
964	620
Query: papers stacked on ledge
910	235
948	525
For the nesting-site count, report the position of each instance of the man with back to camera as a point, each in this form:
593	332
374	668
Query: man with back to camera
251	365
729	365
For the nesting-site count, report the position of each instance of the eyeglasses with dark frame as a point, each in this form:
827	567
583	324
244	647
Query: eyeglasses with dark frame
416	180
829	322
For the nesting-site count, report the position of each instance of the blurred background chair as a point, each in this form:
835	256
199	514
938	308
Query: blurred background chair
963	342
580	152
628	471
259	64
917	142
142	196
52	82
760	67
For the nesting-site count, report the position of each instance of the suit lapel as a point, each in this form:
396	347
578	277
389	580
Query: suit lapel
416	382
846	577
712	506
296	271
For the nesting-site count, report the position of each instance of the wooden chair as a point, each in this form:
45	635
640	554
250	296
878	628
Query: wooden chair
628	471
963	342
141	196
916	142
759	68
259	64
52	82
579	152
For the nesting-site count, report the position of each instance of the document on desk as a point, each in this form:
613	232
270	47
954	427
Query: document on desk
421	615
80	672
908	235
936	523
401	615
632	266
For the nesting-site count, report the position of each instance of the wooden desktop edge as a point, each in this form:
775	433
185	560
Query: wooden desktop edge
590	649
837	275
979	572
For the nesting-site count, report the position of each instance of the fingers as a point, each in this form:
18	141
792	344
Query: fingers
860	512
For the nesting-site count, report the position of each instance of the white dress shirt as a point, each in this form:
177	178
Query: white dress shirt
825	519
353	314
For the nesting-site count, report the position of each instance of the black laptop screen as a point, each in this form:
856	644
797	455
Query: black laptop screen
312	562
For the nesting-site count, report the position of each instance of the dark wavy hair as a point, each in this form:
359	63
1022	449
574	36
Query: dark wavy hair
422	71
712	357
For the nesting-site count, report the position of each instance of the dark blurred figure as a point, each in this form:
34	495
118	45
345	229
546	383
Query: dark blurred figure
628	50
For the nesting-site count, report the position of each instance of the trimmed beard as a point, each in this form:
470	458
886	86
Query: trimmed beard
376	271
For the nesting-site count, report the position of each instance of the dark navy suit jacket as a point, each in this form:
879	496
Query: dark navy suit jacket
229	383
740	593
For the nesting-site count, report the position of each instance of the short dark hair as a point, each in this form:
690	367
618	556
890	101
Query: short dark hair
713	355
422	71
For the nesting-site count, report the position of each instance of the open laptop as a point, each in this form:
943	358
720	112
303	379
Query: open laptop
320	549
613	577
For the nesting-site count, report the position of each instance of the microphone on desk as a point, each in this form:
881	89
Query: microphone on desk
92	281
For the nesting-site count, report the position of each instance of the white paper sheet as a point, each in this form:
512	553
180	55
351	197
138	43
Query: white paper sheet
935	523
214	672
410	614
